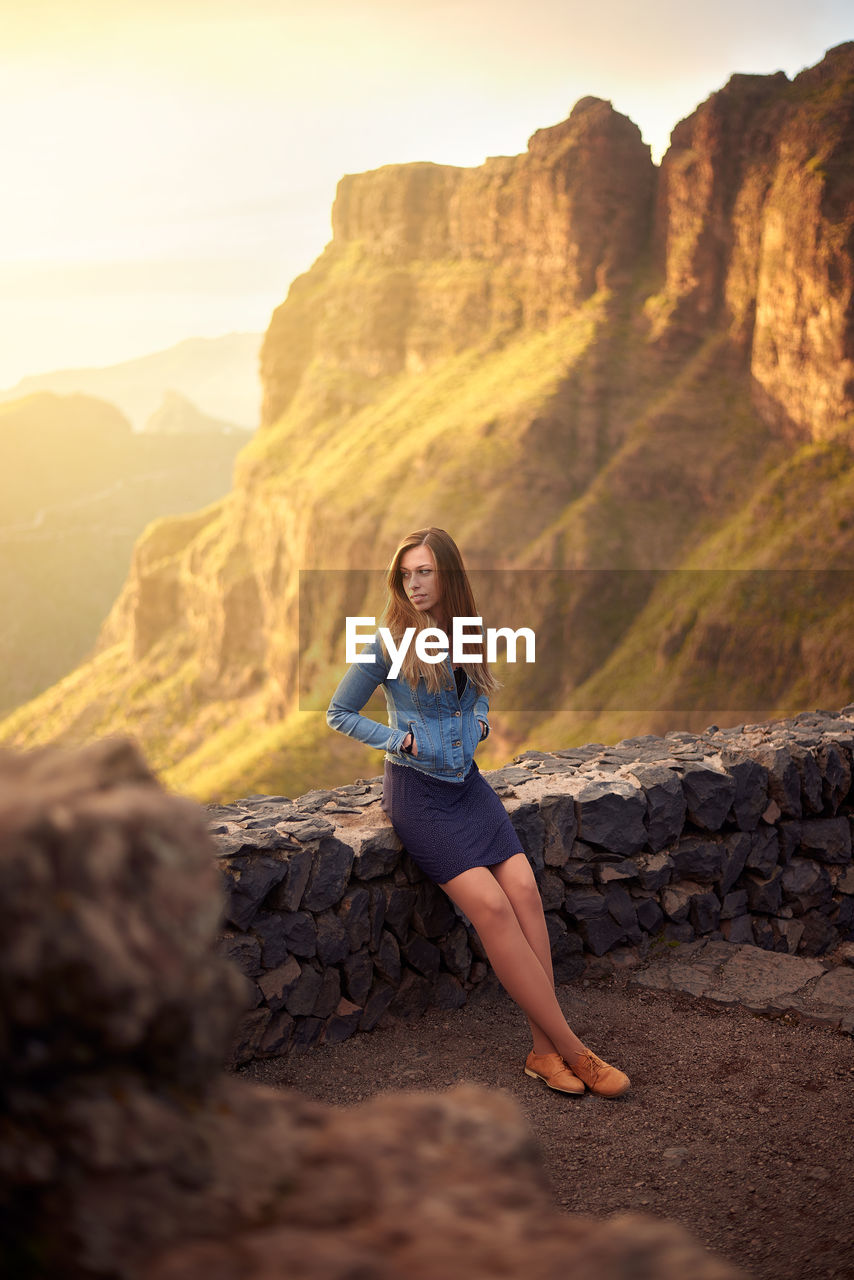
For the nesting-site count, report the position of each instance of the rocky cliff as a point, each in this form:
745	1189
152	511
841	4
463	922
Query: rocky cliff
574	362
427	260
754	228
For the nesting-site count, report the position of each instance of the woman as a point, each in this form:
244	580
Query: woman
447	816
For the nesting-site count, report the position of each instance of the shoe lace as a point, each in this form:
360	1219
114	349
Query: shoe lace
595	1066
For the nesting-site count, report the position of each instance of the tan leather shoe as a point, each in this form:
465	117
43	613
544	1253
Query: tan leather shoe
599	1077
551	1068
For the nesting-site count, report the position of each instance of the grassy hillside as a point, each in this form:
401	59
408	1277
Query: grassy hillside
696	482
162	697
765	632
637	436
77	488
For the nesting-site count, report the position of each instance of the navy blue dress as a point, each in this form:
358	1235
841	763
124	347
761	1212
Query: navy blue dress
448	827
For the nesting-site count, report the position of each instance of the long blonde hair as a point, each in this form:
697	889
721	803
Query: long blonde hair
458	601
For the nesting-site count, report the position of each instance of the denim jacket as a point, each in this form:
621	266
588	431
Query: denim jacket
445	727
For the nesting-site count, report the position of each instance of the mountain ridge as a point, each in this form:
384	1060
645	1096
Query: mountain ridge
561	389
219	374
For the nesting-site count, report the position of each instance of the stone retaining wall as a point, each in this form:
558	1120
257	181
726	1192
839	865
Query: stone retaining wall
742	833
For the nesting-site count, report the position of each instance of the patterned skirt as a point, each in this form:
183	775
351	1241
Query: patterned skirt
447	827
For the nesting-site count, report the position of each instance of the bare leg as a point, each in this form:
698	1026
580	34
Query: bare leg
516	877
516	964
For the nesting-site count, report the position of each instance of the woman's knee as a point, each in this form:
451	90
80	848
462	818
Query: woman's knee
481	897
494	910
516	877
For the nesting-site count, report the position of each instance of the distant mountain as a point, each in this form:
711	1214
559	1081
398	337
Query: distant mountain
178	415
77	488
630	385
220	375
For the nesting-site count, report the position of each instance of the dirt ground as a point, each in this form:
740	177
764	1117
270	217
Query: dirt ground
738	1127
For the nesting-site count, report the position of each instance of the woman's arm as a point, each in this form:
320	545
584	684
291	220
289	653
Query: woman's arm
481	708
351	695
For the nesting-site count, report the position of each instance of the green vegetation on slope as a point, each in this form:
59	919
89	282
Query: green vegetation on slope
614	457
77	488
692	481
212	744
756	622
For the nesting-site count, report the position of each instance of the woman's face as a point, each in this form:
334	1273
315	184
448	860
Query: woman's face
420	578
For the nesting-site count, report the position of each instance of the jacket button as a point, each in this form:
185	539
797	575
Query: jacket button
458	743
456	713
459	775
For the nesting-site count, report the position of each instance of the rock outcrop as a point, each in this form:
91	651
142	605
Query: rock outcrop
754	227
126	1153
428	259
571	362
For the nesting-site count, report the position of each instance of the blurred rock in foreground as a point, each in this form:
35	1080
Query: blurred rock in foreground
126	1151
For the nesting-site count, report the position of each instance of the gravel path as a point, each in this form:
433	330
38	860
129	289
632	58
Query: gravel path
738	1127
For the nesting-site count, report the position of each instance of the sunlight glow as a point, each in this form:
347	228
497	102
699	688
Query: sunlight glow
207	142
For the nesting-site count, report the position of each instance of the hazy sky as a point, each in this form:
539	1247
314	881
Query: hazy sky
169	165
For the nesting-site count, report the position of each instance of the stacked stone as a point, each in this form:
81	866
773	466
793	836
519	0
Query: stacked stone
332	920
742	833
